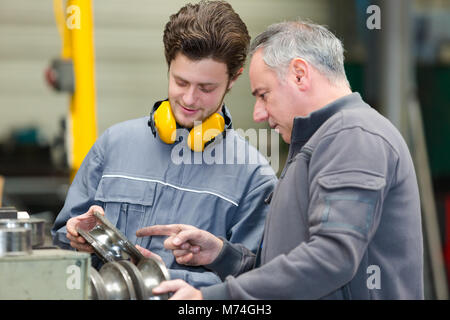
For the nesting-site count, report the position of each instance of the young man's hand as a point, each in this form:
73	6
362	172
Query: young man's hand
85	221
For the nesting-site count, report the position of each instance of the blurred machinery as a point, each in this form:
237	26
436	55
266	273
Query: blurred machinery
73	72
35	170
45	274
30	270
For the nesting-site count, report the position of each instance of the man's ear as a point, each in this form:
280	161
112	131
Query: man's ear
299	71
235	77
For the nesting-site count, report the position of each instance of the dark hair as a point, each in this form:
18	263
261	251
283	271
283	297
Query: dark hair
208	29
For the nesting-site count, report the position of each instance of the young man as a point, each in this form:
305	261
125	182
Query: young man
344	220
133	173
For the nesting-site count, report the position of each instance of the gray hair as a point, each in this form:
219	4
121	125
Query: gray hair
282	42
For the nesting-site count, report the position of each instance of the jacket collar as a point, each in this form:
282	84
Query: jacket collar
304	127
227	117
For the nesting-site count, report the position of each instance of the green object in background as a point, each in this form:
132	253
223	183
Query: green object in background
433	84
26	136
355	76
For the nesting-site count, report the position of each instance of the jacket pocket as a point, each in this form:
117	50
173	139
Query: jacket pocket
127	200
356	179
349	201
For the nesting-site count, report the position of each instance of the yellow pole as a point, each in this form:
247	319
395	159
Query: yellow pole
82	127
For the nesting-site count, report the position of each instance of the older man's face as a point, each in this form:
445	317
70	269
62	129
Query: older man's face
275	99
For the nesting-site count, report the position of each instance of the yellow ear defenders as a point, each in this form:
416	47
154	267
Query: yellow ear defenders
163	120
165	123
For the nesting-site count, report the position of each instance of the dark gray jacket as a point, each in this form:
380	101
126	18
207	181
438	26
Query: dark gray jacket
344	221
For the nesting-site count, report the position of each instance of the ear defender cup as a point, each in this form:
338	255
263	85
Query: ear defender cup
165	123
203	133
198	137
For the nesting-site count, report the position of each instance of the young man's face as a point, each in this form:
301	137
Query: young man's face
276	101
196	88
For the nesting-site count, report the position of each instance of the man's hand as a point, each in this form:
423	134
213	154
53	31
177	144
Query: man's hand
85	221
182	290
189	245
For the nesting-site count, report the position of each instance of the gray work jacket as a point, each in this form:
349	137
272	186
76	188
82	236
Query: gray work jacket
344	221
141	181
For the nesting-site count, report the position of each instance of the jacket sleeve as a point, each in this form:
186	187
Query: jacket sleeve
347	177
233	259
247	226
195	279
81	194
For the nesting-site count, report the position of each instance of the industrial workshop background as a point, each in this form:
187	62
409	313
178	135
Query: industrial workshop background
401	67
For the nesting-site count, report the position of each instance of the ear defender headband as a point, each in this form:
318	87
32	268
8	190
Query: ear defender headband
163	121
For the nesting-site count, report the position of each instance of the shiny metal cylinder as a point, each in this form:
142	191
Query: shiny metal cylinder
118	283
37	227
15	241
97	286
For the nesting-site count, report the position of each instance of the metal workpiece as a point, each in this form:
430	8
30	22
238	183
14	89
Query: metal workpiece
97	289
122	280
37	227
153	273
136	278
117	281
126	274
15	241
108	242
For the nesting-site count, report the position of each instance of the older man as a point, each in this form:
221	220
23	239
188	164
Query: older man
344	220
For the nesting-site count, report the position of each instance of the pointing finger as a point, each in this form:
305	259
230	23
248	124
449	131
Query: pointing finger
159	230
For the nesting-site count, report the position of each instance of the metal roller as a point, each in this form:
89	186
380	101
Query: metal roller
15	241
37	227
118	283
